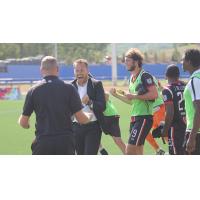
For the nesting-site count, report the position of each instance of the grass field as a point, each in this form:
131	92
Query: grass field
16	141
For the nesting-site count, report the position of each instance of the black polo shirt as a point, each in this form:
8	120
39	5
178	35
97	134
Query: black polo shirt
53	102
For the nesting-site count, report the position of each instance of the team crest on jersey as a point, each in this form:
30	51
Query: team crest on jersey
149	81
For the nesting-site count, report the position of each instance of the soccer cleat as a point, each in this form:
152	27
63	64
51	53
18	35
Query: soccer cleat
160	152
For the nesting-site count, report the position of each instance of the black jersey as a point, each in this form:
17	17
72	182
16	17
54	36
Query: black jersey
173	93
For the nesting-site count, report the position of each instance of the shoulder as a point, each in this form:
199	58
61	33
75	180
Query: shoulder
192	86
73	82
36	86
168	91
94	81
182	82
146	75
69	86
195	80
147	78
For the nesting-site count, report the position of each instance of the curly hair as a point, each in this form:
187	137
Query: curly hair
136	55
193	55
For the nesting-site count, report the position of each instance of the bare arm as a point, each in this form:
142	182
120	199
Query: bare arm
150	95
81	117
120	96
24	121
168	118
191	144
196	124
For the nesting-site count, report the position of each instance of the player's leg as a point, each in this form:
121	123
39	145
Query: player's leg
134	150
152	142
171	142
158	118
139	129
119	142
179	139
115	132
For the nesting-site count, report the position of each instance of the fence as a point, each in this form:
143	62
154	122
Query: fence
29	73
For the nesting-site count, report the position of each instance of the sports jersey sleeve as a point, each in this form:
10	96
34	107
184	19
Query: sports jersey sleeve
167	96
28	104
147	80
194	90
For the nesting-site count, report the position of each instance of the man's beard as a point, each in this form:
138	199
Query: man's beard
132	68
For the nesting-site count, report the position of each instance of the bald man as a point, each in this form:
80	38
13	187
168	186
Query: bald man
54	102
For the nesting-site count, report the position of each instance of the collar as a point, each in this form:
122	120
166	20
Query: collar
134	77
50	77
82	85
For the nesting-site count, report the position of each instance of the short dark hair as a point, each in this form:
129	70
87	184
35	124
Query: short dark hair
136	55
84	61
49	62
193	55
172	71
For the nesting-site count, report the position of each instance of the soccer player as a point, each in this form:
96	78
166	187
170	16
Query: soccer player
175	125
110	123
158	119
191	63
142	94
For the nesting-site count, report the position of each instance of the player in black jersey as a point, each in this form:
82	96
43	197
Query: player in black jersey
175	123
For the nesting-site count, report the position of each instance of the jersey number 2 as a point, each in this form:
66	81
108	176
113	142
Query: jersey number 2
180	102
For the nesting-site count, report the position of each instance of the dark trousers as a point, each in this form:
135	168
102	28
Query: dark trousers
53	145
87	138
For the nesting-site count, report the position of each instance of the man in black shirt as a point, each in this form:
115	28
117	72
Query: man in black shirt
175	123
54	102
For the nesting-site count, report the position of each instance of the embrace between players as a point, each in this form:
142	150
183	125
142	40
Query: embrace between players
70	118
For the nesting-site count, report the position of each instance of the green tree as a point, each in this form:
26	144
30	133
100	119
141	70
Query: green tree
68	52
176	56
155	57
146	56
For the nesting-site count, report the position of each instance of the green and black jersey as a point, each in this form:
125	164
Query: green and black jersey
191	94
141	107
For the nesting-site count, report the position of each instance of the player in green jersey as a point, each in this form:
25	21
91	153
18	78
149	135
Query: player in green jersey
142	94
191	63
110	124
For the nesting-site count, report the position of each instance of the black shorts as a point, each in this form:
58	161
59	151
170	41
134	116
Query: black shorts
197	150
111	126
139	129
175	140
